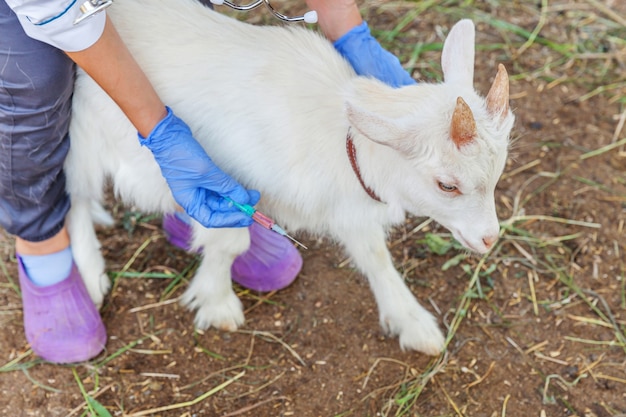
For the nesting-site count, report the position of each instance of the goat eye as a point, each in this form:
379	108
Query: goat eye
447	187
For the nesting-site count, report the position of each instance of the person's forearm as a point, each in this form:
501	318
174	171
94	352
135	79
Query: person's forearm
111	65
336	17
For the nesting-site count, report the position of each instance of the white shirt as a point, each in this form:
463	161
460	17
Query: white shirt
52	22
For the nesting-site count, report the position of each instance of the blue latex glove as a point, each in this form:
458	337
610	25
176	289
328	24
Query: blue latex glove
368	57
197	185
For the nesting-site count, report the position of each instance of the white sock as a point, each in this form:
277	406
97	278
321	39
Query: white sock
46	270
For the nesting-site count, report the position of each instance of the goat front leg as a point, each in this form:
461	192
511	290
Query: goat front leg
400	313
210	291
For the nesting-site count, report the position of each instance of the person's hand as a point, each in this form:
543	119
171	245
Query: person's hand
368	57
197	184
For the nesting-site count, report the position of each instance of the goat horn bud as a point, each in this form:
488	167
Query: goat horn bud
463	128
498	96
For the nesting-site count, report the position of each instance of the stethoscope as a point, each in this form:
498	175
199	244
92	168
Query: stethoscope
91	7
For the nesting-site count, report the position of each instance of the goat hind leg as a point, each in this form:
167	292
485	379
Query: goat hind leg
86	249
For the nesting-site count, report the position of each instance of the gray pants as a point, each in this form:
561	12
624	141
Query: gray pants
36	82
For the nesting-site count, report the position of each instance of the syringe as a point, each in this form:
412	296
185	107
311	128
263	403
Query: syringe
263	220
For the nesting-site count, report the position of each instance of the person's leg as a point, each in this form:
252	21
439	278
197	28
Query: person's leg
60	321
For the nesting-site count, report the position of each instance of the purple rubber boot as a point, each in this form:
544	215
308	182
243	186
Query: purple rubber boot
61	322
271	263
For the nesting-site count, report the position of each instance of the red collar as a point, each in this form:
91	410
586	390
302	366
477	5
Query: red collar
351	149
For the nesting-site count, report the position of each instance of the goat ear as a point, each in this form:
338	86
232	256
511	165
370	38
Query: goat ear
463	126
498	96
457	57
377	128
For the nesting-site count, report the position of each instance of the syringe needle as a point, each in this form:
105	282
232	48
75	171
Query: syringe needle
281	231
263	220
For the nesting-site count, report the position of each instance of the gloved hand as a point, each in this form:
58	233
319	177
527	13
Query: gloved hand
368	57
197	185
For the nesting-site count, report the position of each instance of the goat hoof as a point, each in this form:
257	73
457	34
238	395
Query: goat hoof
423	336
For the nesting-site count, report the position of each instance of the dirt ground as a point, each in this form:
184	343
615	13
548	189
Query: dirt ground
537	328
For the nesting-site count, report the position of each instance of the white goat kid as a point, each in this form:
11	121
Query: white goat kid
275	107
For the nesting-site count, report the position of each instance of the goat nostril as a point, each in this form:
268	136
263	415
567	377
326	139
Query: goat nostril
489	241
